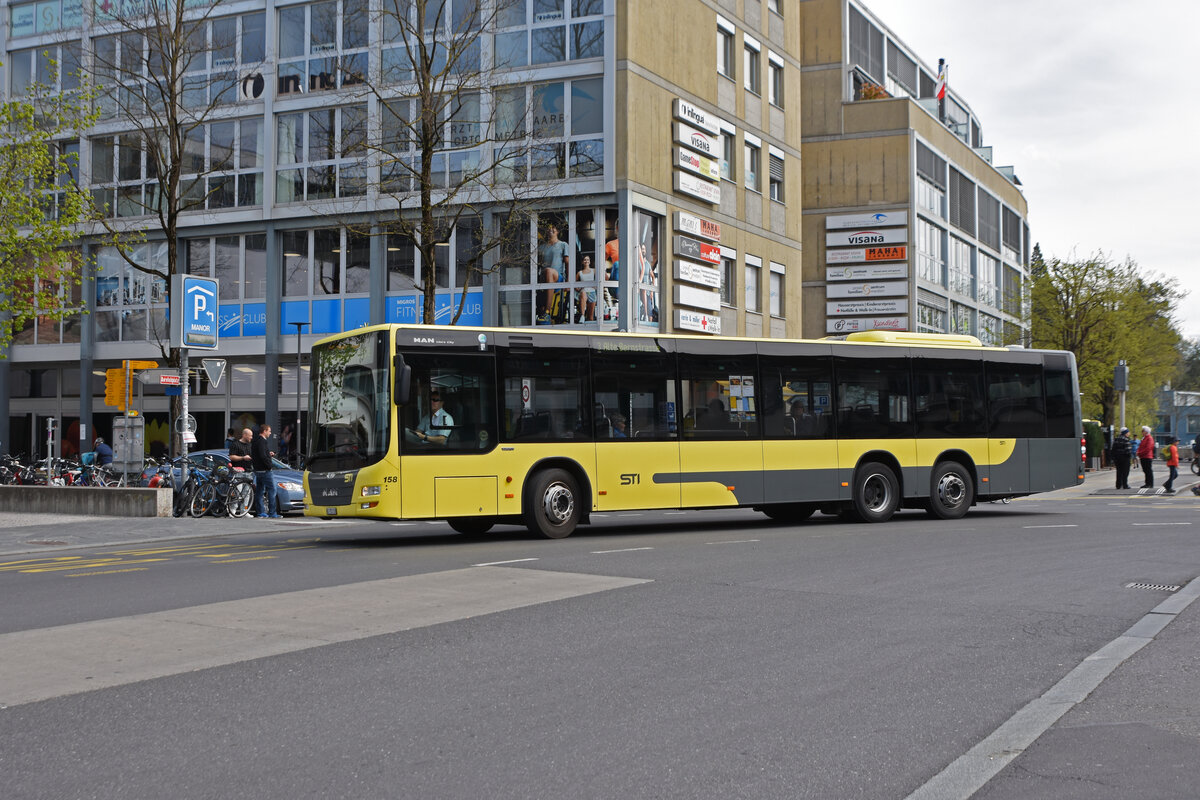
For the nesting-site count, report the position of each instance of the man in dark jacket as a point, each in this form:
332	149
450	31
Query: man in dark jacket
1122	452
261	452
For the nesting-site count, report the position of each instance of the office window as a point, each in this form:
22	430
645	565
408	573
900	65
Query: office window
776	177
313	57
960	319
866	46
930	263
989	330
962	202
774	5
775	87
322	154
753	166
989	270
753	273
728	160
728	279
777	283
930	319
959	267
725	53
989	220
930	198
750	62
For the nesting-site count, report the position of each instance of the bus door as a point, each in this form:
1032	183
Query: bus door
637	429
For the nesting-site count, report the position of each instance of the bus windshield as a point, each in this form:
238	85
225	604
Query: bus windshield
349	403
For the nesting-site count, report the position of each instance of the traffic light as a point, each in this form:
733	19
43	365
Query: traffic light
115	390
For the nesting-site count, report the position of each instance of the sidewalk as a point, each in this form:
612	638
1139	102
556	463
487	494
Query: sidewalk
1103	482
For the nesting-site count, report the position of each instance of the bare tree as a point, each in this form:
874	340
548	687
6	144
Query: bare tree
451	145
167	76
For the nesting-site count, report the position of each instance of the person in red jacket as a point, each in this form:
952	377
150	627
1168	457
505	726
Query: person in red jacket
1145	454
1172	465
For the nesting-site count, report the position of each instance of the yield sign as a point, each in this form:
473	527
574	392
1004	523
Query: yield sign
214	368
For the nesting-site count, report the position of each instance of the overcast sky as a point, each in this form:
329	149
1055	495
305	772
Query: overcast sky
1097	107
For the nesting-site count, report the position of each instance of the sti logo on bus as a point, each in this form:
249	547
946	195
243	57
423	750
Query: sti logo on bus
630	478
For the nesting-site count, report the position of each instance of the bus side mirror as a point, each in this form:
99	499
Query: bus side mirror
402	387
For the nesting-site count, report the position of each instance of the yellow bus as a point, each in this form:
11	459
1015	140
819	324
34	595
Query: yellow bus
479	426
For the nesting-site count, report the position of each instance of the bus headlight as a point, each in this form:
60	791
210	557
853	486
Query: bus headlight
371	491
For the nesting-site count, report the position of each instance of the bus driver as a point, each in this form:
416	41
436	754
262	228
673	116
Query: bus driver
434	427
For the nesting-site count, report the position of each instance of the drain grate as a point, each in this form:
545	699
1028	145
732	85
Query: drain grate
1157	587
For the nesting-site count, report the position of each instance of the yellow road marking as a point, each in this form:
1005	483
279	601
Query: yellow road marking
238	560
109	572
91	565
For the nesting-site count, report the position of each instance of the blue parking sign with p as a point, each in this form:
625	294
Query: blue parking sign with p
195	307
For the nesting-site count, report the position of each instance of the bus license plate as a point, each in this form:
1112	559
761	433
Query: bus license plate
331	511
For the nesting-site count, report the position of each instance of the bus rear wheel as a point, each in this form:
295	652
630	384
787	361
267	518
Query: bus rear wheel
876	492
471	526
552	504
951	491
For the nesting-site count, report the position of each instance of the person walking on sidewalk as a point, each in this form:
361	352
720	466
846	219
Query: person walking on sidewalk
1122	452
1145	454
1172	465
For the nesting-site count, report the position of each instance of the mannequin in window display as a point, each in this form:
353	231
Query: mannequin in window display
647	308
553	260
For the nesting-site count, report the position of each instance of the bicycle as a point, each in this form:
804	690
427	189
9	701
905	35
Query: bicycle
226	491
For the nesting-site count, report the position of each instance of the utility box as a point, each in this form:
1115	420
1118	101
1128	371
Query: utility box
129	444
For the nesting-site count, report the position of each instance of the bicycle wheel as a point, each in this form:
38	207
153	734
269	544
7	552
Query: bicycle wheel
203	500
240	500
1196	466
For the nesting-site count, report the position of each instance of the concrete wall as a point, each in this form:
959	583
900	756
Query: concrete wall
94	501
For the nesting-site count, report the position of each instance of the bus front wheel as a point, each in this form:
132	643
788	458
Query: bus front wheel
951	491
552	504
876	492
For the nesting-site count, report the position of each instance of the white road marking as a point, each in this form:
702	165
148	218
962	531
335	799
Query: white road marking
498	563
45	663
624	550
1151	524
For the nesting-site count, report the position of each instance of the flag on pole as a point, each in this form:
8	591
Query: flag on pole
941	80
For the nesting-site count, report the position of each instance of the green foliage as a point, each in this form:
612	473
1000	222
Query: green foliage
42	205
1104	311
1189	370
1094	436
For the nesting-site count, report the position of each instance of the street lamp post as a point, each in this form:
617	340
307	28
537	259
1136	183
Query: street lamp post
296	430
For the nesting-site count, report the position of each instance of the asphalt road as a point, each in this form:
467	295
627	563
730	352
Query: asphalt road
654	655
